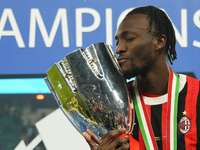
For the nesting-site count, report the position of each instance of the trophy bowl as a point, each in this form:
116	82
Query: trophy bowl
89	87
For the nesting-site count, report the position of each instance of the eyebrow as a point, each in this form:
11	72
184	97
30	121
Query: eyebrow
124	33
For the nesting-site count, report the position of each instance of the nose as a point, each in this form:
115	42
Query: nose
121	48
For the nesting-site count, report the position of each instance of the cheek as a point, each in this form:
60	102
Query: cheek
136	53
141	52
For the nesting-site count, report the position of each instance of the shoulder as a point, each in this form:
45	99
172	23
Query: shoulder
190	81
187	82
189	88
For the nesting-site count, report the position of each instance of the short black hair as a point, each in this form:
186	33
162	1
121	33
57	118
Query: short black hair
162	24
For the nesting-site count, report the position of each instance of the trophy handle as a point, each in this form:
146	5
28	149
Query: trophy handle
131	114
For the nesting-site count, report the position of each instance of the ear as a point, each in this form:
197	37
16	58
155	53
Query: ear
161	42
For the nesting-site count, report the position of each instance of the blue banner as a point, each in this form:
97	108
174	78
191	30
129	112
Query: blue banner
35	34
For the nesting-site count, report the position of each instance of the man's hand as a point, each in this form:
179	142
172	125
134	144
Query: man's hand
105	143
91	139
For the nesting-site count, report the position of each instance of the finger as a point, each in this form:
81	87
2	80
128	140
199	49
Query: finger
93	137
112	135
119	141
124	147
119	129
89	140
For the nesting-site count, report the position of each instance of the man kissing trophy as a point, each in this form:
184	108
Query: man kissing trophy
89	87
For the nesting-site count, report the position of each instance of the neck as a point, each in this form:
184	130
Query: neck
155	82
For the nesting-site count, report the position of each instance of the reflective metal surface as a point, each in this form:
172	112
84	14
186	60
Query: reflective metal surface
89	87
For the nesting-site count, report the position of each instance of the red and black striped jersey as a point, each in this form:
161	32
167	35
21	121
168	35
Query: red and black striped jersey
188	117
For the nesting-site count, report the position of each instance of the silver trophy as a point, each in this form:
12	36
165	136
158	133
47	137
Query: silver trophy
89	87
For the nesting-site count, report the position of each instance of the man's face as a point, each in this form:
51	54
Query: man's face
135	45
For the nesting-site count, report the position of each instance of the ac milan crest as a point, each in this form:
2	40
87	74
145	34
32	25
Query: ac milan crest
184	125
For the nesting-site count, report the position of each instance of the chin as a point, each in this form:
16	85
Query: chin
130	73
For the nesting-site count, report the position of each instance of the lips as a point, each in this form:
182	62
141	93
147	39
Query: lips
121	60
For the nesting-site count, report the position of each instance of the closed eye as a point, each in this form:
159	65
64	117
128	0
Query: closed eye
130	39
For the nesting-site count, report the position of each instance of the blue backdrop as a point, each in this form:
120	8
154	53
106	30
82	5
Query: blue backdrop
34	34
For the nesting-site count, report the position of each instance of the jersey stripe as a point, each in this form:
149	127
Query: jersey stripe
181	108
141	141
163	125
156	112
169	112
190	107
149	111
174	110
143	120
